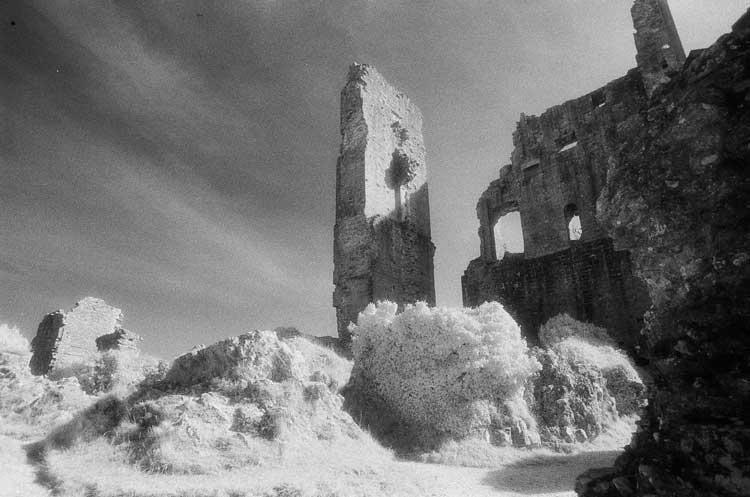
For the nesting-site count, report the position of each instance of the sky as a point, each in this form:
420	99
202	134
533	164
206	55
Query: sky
177	157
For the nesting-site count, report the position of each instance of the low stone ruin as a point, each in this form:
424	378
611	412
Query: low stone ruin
121	339
65	340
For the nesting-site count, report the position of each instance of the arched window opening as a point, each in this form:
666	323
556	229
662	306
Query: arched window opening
508	235
573	220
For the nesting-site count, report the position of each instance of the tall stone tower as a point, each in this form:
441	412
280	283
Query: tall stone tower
382	244
659	49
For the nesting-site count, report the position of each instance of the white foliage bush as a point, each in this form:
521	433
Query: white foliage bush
12	341
562	326
439	367
585	346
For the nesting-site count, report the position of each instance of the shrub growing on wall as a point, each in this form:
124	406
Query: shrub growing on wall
439	372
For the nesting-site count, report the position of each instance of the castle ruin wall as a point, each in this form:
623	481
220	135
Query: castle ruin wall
559	166
382	240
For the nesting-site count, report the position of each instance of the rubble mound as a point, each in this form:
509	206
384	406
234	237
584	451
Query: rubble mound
250	357
250	400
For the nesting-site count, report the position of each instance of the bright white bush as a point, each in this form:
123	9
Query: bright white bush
562	326
12	341
603	357
585	343
440	367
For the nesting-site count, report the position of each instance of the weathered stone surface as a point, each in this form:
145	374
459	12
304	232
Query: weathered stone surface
382	242
596	482
589	281
676	196
65	340
660	54
120	339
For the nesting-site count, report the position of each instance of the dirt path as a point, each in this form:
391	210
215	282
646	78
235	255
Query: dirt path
542	476
17	477
550	476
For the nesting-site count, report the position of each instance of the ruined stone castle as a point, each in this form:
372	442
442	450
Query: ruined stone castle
382	244
557	171
634	208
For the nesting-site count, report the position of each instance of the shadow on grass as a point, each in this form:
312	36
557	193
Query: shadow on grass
100	418
546	474
35	456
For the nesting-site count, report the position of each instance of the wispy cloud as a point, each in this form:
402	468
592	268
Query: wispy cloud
178	157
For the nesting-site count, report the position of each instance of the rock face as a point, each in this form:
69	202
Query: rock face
558	169
382	242
676	196
67	339
120	339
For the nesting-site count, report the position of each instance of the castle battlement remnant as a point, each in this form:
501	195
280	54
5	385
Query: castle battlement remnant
382	243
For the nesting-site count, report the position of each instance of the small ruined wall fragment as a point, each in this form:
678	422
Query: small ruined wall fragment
589	281
382	242
67	339
120	339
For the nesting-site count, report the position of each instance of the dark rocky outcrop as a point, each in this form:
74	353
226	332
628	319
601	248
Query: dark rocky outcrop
678	197
120	339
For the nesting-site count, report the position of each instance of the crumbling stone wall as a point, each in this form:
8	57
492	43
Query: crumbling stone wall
120	339
65	340
590	281
382	240
678	197
558	169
